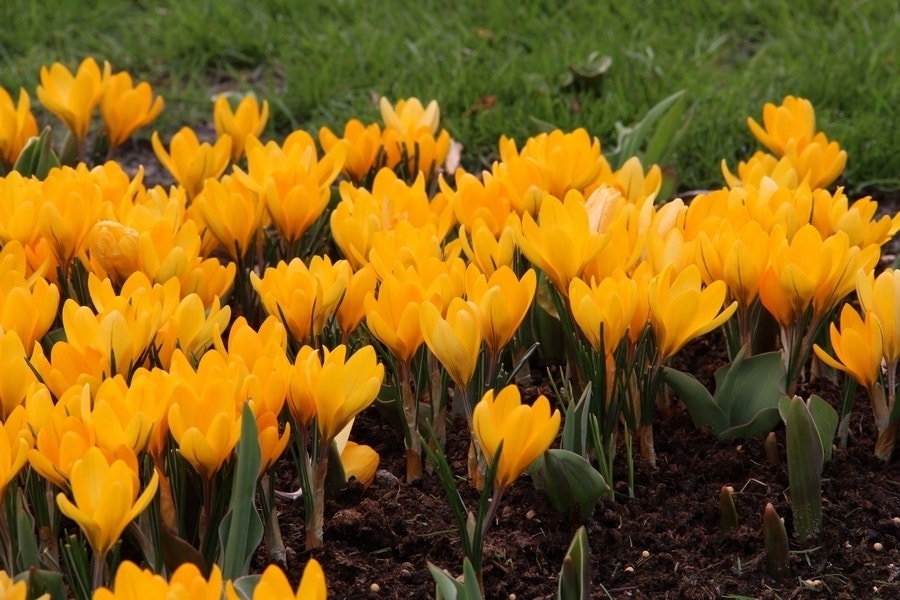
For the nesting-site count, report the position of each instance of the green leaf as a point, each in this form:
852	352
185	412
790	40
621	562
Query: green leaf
245	585
471	583
242	530
27	554
632	139
37	157
805	459
826	421
776	544
575	575
668	132
448	588
575	426
568	480
746	400
42	581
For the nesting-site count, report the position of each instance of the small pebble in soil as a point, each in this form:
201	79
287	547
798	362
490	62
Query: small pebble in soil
629	569
896	520
512	597
877	546
374	588
645	554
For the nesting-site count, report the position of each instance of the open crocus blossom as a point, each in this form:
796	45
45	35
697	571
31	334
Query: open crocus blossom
604	310
105	498
681	309
11	589
125	107
526	431
248	119
17	125
857	346
72	98
190	162
793	119
881	296
503	301
13	454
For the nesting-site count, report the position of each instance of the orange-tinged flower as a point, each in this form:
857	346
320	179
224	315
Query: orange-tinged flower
502	300
560	242
858	347
13	454
72	98
17	376
351	311
233	214
274	585
794	119
105	498
392	316
27	310
248	119
363	146
568	160
190	162
359	461
881	296
205	414
126	107
455	340
133	583
71	203
334	387
525	431
487	252
681	309
17	125
604	310
303	297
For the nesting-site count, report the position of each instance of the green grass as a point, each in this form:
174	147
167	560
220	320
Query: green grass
320	62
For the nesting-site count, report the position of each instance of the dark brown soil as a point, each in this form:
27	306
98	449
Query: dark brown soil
664	543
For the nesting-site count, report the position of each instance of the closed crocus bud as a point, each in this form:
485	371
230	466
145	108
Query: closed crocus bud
455	340
793	119
858	346
604	310
525	431
14	454
274	585
18	376
502	300
115	249
360	461
392	316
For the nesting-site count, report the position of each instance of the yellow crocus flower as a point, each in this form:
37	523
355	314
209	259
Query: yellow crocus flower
487	252
17	125
28	310
20	200
604	308
411	134
526	431
190	162
125	107
560	242
232	213
133	583
360	461
205	414
71	203
363	146
351	310
857	346
192	327
248	119
189	583
503	301
477	200
13	454
392	316
105	498
681	309
305	297
881	296
72	98
17	376
274	585
126	414
334	387
793	119
114	250
455	340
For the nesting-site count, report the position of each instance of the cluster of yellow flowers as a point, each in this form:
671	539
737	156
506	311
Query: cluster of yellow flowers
149	351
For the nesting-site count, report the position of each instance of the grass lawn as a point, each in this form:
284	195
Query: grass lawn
499	67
